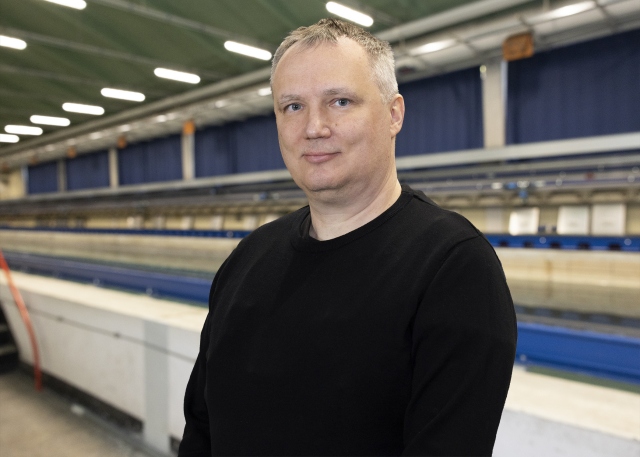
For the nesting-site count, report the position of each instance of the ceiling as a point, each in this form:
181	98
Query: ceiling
72	54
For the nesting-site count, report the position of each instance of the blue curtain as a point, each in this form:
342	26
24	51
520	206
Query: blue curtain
88	171
156	160
238	147
43	178
257	145
214	152
587	89
443	113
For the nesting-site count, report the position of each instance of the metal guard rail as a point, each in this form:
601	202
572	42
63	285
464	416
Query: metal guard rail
611	356
571	242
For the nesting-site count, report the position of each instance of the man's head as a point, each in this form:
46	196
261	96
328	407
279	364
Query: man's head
327	31
336	121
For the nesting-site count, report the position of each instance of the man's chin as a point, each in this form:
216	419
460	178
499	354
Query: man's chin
326	193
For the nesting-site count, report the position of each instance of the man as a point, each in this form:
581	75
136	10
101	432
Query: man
371	322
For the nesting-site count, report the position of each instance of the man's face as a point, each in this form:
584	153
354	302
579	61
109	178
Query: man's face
336	133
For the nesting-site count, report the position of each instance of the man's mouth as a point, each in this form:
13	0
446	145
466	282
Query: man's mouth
319	157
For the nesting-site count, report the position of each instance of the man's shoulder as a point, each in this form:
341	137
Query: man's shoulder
277	229
439	224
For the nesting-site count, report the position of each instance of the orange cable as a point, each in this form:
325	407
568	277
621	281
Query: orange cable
24	313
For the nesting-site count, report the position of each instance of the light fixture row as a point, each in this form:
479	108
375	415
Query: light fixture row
12	131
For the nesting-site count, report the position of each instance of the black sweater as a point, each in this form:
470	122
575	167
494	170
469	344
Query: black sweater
398	337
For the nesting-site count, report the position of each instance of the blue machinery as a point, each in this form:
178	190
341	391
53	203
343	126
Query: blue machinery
610	356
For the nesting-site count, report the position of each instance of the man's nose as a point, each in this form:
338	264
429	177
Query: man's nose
317	124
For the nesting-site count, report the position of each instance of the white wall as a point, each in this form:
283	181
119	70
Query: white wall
131	351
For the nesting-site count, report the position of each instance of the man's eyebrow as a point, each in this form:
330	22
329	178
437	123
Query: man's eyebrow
339	91
342	91
288	98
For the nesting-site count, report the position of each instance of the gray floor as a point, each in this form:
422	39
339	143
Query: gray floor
34	424
523	435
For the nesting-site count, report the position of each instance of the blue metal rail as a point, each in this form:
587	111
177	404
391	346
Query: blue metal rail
572	242
196	233
149	282
605	355
597	354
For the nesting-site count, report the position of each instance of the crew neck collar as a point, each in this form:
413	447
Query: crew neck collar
301	240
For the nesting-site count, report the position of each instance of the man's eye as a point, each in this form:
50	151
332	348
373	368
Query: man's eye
342	102
294	107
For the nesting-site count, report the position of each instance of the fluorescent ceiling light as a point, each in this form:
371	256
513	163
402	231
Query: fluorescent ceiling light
84	109
96	135
350	14
9	42
264	91
77	4
221	103
433	47
124	128
23	130
4	138
177	75
161	118
49	120
246	50
563	11
122	94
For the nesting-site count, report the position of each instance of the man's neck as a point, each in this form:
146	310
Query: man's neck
336	218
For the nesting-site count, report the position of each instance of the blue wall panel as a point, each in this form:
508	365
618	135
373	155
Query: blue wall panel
257	145
443	113
156	160
88	171
238	147
587	89
214	152
43	178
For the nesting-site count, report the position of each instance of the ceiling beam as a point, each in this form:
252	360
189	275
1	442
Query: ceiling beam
182	22
102	52
453	16
51	76
42	74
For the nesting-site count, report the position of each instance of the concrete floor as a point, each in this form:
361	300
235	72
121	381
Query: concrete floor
34	424
544	416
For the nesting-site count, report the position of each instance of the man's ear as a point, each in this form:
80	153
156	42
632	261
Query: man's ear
397	114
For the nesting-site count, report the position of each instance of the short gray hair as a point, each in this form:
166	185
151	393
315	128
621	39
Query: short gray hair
328	31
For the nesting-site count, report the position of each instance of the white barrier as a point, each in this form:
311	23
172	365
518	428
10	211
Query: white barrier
133	352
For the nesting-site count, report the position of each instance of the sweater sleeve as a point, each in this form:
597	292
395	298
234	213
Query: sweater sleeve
196	439
463	348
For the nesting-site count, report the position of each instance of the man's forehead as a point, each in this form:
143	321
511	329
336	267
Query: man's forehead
343	44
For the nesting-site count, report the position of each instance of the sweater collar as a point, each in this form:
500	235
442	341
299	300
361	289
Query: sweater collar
301	240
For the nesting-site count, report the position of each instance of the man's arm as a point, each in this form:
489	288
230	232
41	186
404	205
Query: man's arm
464	341
196	439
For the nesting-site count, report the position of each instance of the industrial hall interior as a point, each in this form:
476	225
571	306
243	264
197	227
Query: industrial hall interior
139	147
